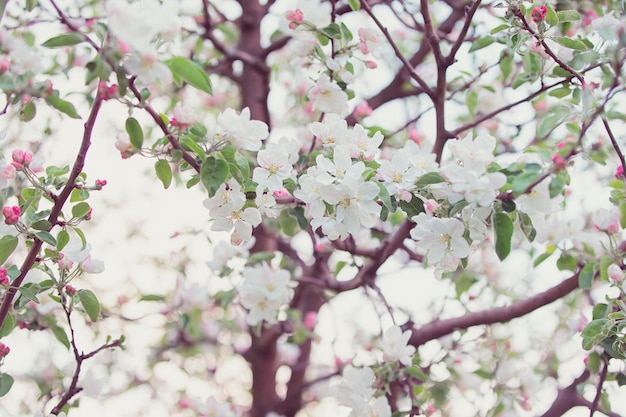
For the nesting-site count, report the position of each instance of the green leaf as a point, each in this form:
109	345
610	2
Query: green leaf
585	277
385	198
67	39
412	208
163	172
8	244
570	43
80	209
42	225
190	72
152	297
595	332
416	372
567	262
568	16
499	28
63	238
61	336
333	30
471	101
90	303
27	111
429	178
288	223
213	173
6	382
259	257
29	294
7	326
303	222
355	5
551	17
62	105
503	228
47	238
135	133
481	43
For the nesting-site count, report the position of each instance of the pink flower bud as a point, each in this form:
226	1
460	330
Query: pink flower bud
539	13
559	162
619	172
21	158
69	290
362	110
11	214
107	91
295	18
615	273
310	320
100	184
4	350
371	64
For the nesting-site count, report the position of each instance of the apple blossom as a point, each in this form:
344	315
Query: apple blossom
263	292
328	97
240	130
395	346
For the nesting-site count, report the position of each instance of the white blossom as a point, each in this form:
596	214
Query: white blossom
263	292
395	346
240	130
328	97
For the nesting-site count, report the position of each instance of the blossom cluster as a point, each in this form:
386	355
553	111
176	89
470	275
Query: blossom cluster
264	292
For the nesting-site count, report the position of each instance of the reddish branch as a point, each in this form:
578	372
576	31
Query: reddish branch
442	328
53	218
79	357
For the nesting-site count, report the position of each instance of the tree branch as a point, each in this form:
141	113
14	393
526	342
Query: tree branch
442	328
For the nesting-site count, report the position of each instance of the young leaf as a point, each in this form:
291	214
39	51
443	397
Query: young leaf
62	105
190	72
568	16
61	336
585	277
27	293
503	227
8	244
90	303
80	209
6	382
595	332
163	172
355	5
134	132
572	43
481	43
63	238
27	111
213	173
67	39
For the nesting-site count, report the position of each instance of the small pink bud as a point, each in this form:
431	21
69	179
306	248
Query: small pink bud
11	214
362	110
107	91
559	162
100	184
4	350
281	193
619	172
310	320
69	290
539	13
21	158
371	64
295	18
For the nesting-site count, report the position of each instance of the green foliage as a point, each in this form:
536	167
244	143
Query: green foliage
90	303
184	69
135	133
503	229
213	173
